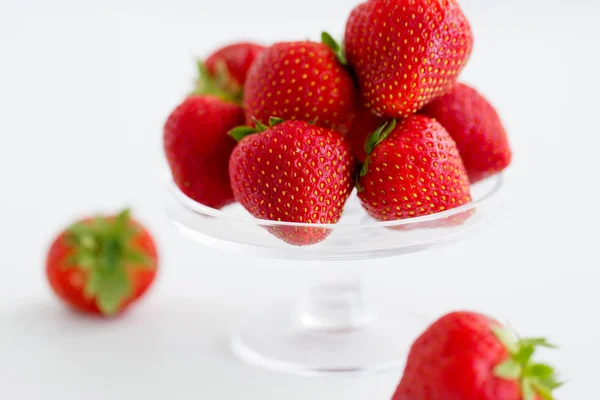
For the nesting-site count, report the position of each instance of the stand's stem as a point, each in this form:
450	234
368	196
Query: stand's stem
335	301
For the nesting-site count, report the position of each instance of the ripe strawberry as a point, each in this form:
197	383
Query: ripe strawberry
476	128
224	72
364	124
301	81
407	52
293	172
198	147
102	265
413	169
468	356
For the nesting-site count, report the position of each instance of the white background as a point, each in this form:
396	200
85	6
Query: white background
84	90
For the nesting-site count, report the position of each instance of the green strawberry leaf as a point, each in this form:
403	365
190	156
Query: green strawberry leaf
137	258
524	354
382	132
542	371
274	121
509	369
110	287
507	338
527	390
365	168
337	49
241	132
218	85
538	342
105	249
260	127
544	392
534	378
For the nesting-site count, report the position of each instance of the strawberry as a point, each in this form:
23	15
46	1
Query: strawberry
292	172
197	148
476	128
413	169
406	53
224	72
301	81
102	265
468	356
364	124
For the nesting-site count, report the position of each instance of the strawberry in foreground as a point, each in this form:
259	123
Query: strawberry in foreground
407	53
224	72
198	147
292	172
476	128
301	81
102	265
413	169
468	356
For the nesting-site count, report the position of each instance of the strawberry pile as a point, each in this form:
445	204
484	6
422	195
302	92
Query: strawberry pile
290	130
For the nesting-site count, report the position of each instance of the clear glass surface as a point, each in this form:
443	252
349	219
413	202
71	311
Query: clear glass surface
333	329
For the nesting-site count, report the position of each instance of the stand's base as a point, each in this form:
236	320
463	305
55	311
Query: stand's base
275	340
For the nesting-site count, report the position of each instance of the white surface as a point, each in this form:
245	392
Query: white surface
84	90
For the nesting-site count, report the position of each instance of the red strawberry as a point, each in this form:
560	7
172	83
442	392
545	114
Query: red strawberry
407	52
293	172
102	265
198	147
413	169
300	81
476	128
363	126
468	356
236	58
224	72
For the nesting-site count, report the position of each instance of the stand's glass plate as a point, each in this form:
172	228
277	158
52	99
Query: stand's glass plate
356	236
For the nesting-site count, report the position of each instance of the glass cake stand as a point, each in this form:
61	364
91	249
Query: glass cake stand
332	329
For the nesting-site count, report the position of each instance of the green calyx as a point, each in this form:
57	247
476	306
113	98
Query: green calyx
382	132
220	84
337	49
241	132
103	248
534	378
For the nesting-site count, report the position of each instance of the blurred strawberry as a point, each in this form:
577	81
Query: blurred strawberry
223	74
102	265
197	148
476	128
469	356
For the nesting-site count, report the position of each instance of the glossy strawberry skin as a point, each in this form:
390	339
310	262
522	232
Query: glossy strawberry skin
364	124
69	283
293	172
415	171
454	359
406	53
476	128
237	57
300	81
197	147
